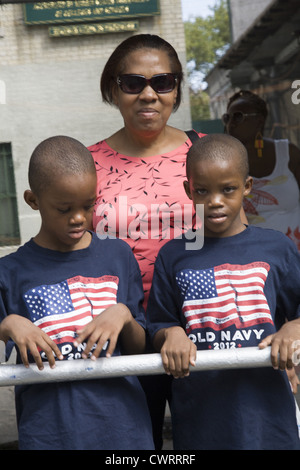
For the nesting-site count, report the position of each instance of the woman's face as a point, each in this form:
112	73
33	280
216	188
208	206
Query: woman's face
251	124
146	112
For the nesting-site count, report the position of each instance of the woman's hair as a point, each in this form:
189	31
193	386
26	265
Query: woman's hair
116	63
258	103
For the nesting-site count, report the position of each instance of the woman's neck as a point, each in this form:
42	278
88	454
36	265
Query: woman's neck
146	144
261	167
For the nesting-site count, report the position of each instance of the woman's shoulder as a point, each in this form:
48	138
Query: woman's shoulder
294	163
188	134
98	146
177	144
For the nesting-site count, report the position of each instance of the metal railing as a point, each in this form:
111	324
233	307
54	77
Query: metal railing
119	366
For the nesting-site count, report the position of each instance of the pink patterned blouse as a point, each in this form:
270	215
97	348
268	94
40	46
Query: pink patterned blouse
141	200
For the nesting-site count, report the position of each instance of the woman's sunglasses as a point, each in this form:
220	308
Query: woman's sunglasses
237	117
134	84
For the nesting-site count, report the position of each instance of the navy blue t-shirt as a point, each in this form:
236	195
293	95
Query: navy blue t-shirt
60	293
232	293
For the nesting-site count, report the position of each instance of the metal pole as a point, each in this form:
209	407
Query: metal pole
118	366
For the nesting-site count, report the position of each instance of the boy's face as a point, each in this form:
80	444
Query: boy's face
66	209
220	187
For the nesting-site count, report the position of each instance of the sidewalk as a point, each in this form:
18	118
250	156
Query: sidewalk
8	424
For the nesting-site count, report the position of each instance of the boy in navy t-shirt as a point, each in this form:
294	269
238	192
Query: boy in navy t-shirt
67	295
237	291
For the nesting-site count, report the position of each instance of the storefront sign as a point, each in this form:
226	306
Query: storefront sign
72	11
92	28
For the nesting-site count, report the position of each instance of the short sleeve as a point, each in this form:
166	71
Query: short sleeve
3	295
288	301
135	296
163	305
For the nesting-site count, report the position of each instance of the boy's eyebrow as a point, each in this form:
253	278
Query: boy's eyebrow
91	199
223	183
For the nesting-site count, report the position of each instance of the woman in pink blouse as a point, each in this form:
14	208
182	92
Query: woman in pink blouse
141	167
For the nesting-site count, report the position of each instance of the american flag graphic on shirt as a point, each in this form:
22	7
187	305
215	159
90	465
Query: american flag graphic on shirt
63	308
225	295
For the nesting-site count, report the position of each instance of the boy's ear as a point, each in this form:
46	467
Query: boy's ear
186	186
248	185
31	199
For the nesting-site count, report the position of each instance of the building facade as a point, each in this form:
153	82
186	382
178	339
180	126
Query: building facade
263	57
243	14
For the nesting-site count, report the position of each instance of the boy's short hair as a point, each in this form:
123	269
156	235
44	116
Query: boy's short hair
218	146
55	157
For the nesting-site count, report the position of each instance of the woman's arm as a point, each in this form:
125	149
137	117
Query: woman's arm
294	163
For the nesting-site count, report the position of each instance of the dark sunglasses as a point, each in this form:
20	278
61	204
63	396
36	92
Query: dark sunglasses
134	84
237	117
